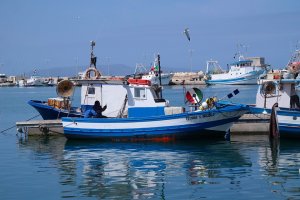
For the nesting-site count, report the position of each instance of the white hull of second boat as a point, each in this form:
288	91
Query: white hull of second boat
165	78
34	81
234	79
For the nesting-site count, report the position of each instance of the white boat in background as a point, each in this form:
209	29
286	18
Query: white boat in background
34	81
154	78
155	75
243	72
3	78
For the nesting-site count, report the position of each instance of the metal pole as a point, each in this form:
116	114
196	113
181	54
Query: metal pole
159	74
191	54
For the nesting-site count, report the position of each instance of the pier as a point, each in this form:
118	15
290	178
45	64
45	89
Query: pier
40	127
248	124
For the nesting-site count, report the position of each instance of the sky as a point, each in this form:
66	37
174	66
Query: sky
40	34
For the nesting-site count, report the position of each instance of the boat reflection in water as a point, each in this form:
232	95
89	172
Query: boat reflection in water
247	165
282	167
139	170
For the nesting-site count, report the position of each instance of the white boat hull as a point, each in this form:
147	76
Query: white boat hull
288	122
233	79
170	126
165	78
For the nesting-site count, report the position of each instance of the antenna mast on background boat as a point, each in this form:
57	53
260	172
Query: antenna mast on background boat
159	73
239	54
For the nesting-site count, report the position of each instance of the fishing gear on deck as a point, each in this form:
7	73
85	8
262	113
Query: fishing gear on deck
194	97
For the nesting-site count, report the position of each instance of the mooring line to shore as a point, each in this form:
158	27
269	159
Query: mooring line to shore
3	131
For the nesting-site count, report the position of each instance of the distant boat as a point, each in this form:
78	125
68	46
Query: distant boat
154	79
51	82
5	82
34	81
153	75
243	72
3	78
294	62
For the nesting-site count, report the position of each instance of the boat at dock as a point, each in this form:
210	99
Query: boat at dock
136	111
243	72
142	114
279	98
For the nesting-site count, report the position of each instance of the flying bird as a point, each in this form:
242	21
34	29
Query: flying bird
187	33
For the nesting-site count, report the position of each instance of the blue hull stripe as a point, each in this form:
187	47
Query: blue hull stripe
290	113
175	131
289	130
233	80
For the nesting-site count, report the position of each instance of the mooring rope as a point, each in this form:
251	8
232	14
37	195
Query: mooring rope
16	125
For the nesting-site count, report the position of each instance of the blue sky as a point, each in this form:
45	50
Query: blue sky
47	34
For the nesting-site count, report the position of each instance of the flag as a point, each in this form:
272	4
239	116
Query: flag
194	95
230	95
155	65
235	92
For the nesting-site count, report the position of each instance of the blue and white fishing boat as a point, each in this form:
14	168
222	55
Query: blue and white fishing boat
147	116
279	98
243	72
285	117
136	111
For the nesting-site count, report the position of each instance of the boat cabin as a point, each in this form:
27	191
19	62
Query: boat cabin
284	92
132	98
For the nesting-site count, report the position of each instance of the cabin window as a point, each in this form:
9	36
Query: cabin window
140	93
91	90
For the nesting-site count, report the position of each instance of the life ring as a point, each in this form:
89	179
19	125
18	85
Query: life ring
88	73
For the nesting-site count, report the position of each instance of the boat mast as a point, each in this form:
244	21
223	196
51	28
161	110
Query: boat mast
159	73
93	58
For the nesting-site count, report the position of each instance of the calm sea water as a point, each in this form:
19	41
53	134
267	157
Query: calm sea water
247	167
